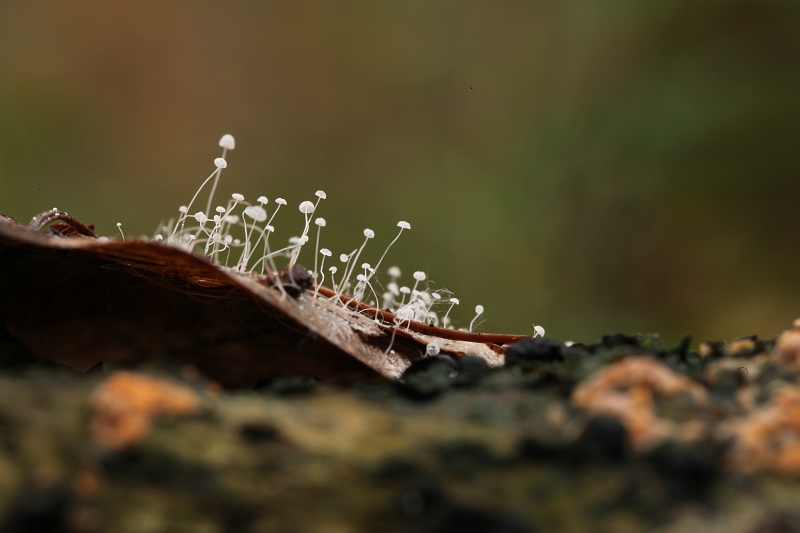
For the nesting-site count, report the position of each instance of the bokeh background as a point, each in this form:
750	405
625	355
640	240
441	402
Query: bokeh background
589	166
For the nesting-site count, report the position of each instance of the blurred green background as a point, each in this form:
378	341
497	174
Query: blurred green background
590	166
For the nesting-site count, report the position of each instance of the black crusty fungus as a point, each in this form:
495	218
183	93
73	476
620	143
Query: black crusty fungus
604	440
257	433
471	370
40	510
690	473
428	377
430	511
682	348
531	350
539	450
618	340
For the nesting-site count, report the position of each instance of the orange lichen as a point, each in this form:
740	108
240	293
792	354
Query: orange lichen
769	439
742	346
787	348
625	390
127	403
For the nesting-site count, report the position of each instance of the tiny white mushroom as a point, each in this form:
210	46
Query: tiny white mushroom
256	212
238	197
478	312
220	163
432	349
227	142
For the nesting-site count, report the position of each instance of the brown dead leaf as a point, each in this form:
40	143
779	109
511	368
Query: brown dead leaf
80	300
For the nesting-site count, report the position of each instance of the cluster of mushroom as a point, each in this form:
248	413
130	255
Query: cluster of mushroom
212	233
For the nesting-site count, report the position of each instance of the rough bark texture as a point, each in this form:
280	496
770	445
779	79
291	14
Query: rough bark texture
149	392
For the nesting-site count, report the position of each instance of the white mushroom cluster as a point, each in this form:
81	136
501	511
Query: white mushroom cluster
236	235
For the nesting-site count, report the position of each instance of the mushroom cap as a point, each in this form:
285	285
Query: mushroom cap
320	222
325	252
238	197
220	163
343	258
227	141
479	309
280	201
419	275
394	271
306	207
455	301
368	233
256	212
321	195
403	224
405	313
262	200
270	229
